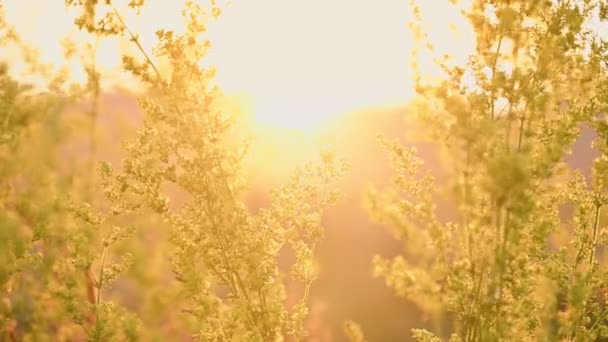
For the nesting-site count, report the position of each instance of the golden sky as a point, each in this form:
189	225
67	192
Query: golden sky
299	66
299	63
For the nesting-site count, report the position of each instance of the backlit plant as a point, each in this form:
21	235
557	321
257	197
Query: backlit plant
162	245
509	267
223	255
67	252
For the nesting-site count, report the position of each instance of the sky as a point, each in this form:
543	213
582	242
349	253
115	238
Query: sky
294	64
297	63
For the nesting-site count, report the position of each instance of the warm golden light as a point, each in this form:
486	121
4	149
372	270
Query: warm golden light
301	122
268	170
295	114
303	64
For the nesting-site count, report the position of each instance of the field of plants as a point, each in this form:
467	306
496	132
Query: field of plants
282	170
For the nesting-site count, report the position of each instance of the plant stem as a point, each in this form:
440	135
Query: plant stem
104	254
135	40
596	224
307	289
494	63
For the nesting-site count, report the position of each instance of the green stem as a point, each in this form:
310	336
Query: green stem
100	280
239	288
307	290
596	225
141	49
601	316
494	64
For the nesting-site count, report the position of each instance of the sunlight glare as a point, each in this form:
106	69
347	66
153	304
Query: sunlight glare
303	64
301	122
295	114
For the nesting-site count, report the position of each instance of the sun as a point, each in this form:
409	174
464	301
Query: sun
297	116
300	122
299	77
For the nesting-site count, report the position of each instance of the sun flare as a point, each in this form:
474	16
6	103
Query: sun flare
301	122
298	76
300	116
